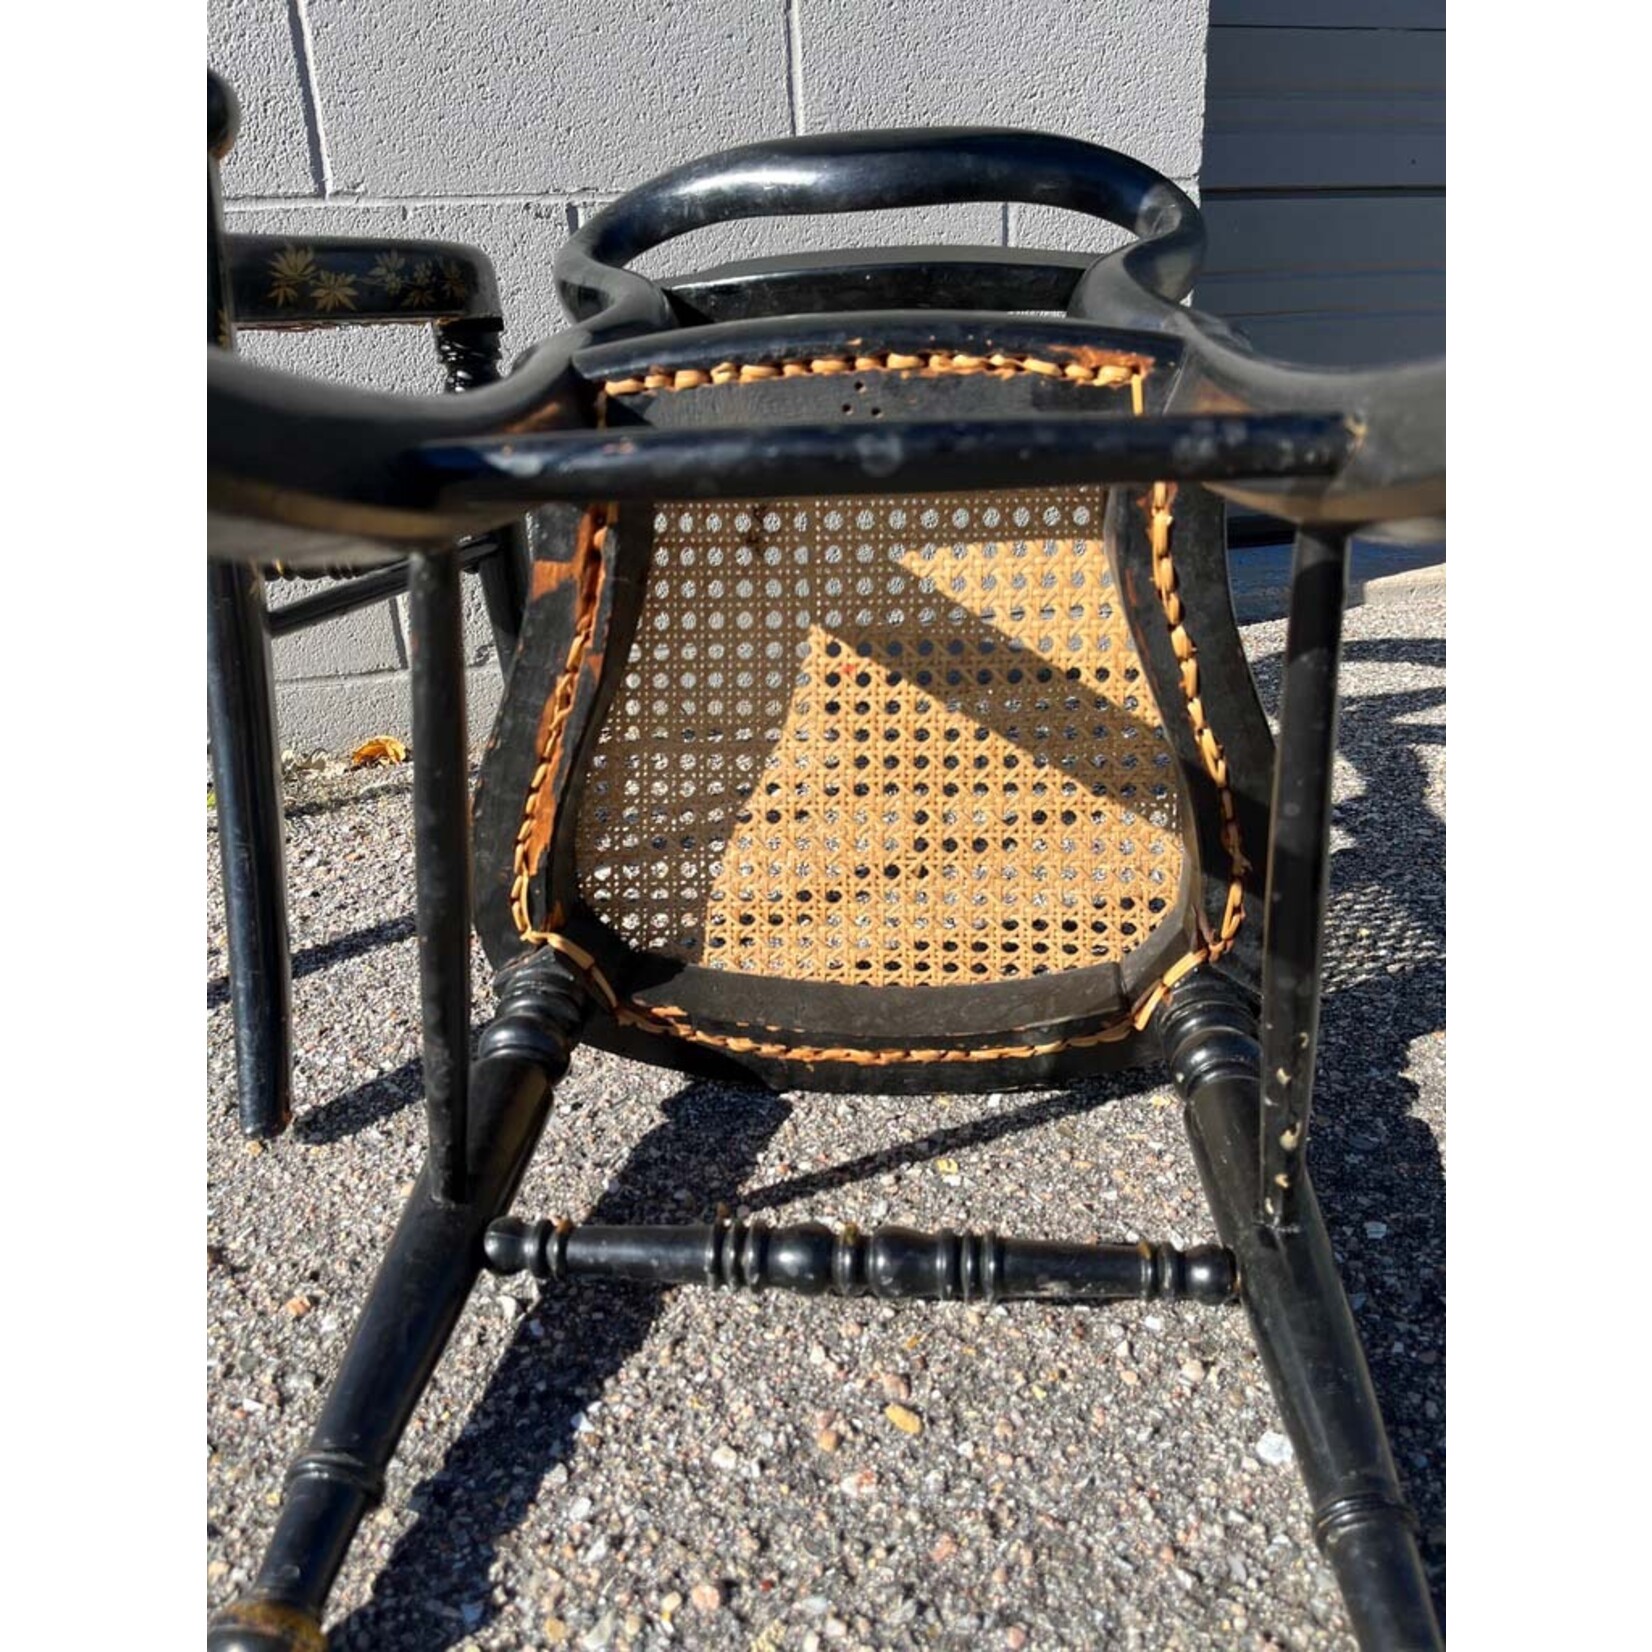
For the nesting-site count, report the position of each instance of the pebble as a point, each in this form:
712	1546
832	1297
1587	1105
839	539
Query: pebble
725	1457
685	1372
904	1418
1015	1637
707	1597
828	1439
1274	1449
1376	1230
895	1386
297	1306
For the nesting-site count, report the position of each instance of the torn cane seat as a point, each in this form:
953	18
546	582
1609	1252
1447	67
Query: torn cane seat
878	723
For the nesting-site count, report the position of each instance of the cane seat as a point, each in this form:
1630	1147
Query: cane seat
845	789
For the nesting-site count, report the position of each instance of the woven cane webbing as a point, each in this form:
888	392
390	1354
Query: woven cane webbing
885	740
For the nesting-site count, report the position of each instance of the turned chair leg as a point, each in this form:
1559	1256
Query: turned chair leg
468	351
246	774
1302	1323
422	1285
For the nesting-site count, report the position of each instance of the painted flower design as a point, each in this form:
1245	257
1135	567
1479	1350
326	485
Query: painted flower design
334	290
453	280
390	272
289	270
420	286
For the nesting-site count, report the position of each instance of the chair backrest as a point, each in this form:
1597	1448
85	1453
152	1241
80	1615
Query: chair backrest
880	791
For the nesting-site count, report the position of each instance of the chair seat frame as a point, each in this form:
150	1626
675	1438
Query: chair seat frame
596	417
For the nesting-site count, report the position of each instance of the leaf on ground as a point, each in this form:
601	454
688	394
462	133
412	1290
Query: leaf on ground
383	748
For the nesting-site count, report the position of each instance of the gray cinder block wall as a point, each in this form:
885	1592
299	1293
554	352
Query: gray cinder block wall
504	122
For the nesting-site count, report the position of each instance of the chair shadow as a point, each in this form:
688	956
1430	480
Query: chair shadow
327	953
352	1111
1048	1107
1369	1153
1371	1157
710	1140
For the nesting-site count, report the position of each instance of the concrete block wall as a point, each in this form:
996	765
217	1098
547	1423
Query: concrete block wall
504	122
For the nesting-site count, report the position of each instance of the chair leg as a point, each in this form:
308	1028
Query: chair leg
504	576
246	772
468	351
422	1285
1303	1325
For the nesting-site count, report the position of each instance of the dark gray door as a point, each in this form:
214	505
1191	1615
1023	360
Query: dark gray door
1324	176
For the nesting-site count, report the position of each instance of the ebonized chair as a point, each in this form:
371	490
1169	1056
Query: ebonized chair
279	283
879	723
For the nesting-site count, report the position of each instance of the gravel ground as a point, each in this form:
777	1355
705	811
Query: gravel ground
619	1467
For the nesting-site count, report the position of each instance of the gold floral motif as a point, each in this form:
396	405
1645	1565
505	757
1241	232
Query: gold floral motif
296	277
453	280
334	290
390	272
289	269
421	289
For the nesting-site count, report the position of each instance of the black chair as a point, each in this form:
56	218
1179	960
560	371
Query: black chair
879	724
278	283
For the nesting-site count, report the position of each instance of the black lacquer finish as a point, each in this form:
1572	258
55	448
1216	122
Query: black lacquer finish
812	1259
246	779
246	761
895	458
468	350
290	282
427	1274
267	282
330	468
1304	1328
344	596
1298	866
894	278
441	852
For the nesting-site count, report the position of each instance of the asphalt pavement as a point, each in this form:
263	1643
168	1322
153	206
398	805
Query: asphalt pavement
621	1467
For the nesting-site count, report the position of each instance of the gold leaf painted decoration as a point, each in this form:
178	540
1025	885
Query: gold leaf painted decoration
289	270
295	276
421	286
334	290
383	748
390	272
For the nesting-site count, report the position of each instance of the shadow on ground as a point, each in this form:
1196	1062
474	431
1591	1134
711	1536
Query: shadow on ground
706	1146
1373	1160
